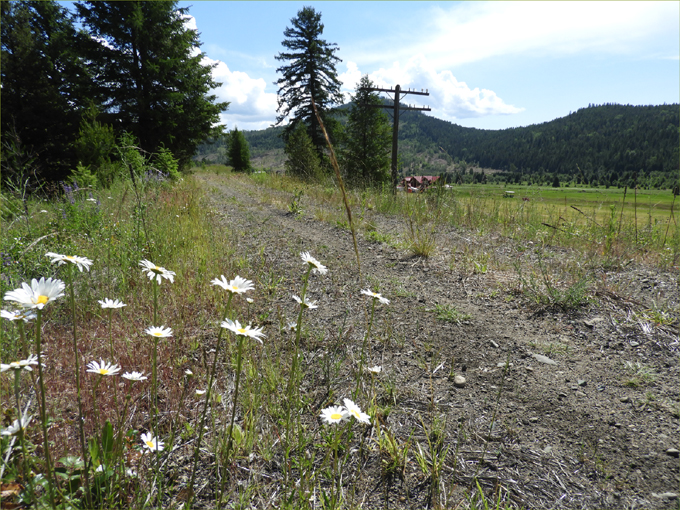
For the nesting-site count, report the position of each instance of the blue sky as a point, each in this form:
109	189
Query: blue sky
489	65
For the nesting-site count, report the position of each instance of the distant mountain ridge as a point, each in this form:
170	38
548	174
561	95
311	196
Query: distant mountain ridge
606	144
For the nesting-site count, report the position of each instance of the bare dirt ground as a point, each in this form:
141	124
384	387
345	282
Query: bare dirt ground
558	410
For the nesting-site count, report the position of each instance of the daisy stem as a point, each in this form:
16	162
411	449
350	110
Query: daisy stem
363	349
22	336
155	302
81	417
205	406
298	332
111	334
17	376
43	411
239	358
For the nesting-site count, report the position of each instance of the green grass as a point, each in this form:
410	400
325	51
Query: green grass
172	225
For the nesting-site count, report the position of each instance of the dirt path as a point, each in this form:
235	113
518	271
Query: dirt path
584	415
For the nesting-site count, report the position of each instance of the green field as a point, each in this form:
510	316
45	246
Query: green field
654	204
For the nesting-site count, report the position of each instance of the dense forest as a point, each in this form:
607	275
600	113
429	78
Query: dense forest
608	144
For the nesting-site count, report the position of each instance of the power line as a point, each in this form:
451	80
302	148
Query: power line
398	94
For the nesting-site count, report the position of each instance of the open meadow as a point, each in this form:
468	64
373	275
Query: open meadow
235	341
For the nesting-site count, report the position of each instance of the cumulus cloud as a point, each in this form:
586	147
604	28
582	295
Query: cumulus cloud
449	98
469	32
252	107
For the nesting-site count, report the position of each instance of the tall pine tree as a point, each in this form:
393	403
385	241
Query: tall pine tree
150	74
368	138
44	89
309	73
238	153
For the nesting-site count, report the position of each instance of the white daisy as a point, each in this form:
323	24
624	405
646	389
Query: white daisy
134	376
306	303
235	327
236	286
375	370
160	332
108	303
318	266
334	414
377	296
103	368
17	426
38	294
292	326
355	411
18	315
188	373
80	262
152	443
154	271
249	300
200	392
24	364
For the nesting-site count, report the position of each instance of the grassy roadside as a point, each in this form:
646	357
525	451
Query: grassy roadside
203	365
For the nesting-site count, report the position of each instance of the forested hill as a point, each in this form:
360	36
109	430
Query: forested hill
608	143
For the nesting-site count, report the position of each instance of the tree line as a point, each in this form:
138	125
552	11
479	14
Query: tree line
78	85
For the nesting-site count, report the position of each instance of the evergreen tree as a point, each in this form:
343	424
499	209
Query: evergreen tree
149	73
309	74
238	154
368	139
44	89
303	160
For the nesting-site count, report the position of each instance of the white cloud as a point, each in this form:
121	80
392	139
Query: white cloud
472	31
349	79
465	32
251	106
450	99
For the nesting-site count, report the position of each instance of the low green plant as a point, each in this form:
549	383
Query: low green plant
449	313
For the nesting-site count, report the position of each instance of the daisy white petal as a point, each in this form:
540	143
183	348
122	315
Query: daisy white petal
306	303
38	294
235	327
134	376
160	332
17	426
102	368
355	411
377	296
152	443
18	315
188	373
24	364
375	370
80	262
334	414
200	392
318	266
236	286
108	303
154	271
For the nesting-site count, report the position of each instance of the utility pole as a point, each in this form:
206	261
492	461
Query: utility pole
398	94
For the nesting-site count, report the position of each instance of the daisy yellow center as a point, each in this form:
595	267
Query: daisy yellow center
157	270
103	371
156	333
150	444
15	364
355	413
233	288
241	330
69	257
42	300
336	416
